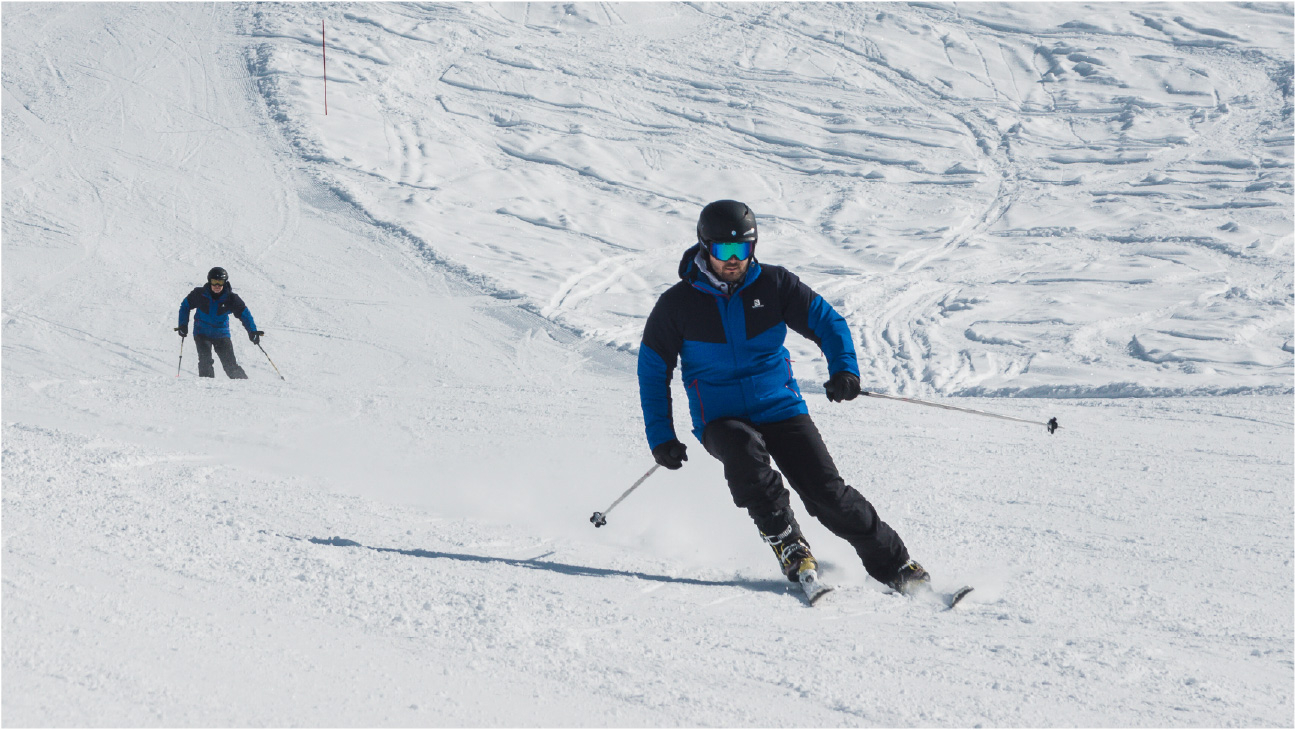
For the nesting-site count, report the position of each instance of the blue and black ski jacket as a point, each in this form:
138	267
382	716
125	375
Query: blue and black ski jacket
734	361
211	318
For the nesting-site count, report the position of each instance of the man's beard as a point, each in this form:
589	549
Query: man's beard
731	276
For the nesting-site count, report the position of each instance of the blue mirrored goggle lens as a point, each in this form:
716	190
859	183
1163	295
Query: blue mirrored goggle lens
740	250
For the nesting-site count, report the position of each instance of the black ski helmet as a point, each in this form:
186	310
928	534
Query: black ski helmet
218	274
726	221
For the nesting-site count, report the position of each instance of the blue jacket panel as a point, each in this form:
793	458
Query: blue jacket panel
211	312
731	347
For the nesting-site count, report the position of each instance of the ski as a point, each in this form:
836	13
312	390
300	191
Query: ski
814	588
952	599
947	600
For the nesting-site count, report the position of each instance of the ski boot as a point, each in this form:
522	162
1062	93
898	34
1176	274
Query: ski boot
911	579
792	552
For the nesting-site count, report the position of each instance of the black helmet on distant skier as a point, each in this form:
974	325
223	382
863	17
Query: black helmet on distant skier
726	221
218	274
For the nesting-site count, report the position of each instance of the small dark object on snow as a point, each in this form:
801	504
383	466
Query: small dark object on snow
1052	425
598	519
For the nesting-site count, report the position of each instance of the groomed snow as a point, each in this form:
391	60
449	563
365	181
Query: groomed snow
1086	204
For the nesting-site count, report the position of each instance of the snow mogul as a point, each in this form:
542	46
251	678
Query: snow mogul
214	302
727	319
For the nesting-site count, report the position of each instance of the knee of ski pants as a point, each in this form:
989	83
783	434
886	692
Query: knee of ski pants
754	485
738	446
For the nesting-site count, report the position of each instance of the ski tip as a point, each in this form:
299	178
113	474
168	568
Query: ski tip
956	597
814	588
814	599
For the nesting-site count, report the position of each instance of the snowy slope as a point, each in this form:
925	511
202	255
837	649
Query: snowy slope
1052	200
453	267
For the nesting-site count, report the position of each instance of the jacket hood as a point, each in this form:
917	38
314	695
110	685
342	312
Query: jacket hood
688	264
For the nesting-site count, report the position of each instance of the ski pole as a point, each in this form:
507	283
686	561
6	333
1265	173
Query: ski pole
177	365
267	357
1051	423
600	518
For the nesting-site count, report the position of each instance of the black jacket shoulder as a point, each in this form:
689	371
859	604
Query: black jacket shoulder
665	328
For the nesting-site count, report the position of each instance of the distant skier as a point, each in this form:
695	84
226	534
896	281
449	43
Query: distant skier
727	319
214	302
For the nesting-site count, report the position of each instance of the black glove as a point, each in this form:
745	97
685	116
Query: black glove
183	330
842	386
670	454
255	337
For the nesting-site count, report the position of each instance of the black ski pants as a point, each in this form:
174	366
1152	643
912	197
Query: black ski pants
224	347
796	446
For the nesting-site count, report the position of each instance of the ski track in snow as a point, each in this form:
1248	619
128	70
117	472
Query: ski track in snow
875	168
454	266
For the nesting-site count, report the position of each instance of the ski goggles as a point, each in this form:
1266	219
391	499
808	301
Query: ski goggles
216	282
740	250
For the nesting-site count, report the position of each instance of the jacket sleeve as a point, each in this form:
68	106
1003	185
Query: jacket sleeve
658	354
810	315
185	308
244	314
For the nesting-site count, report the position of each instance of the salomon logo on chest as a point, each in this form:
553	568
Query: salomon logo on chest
761	314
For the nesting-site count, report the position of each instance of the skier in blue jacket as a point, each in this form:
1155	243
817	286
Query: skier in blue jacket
212	304
726	321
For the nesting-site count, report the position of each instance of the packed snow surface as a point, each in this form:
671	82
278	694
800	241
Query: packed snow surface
1089	205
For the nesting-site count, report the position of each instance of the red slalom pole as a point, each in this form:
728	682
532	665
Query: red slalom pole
323	45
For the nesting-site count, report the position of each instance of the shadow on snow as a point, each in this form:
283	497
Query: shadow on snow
538	563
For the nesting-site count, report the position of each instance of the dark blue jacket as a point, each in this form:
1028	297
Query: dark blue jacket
211	318
734	361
